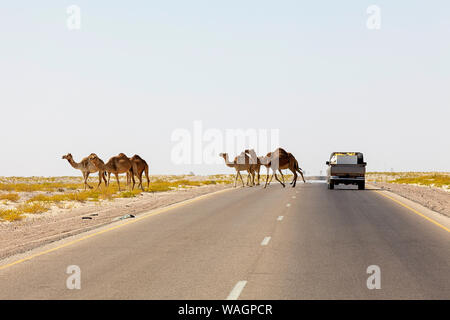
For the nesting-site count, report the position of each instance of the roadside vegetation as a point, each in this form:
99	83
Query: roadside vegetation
10	197
431	179
20	196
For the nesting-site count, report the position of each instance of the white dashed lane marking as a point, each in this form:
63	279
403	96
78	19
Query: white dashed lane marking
265	242
236	292
280	218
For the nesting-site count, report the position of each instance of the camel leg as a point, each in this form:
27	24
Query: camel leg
294	181
109	177
258	178
117	178
242	180
140	181
249	179
282	175
148	179
132	178
85	181
104	178
267	179
276	177
99	179
301	173
235	179
271	177
128	178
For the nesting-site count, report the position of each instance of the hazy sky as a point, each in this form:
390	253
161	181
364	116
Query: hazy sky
138	70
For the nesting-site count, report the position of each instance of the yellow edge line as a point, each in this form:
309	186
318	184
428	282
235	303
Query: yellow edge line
144	216
415	211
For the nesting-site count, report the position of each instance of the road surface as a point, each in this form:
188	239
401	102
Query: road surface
251	243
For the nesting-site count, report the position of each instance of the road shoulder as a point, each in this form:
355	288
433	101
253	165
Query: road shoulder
414	207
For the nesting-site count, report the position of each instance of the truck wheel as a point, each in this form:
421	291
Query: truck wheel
331	185
361	185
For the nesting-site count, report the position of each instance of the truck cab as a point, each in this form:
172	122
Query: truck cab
346	168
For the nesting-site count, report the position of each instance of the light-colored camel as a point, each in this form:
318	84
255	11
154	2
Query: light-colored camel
256	163
240	163
86	167
140	166
281	159
115	165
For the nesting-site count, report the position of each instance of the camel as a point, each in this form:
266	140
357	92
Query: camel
139	166
86	167
115	165
281	159
256	163
240	163
265	161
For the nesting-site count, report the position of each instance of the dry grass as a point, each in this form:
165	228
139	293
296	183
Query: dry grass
433	179
436	180
25	208
10	215
10	197
33	208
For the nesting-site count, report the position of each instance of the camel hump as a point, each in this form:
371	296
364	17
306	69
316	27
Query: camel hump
137	157
281	150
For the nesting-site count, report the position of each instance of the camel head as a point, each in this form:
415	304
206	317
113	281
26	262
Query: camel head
67	156
223	155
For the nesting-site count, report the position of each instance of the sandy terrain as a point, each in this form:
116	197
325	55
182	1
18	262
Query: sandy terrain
58	223
436	199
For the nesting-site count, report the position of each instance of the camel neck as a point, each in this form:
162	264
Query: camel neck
227	162
73	163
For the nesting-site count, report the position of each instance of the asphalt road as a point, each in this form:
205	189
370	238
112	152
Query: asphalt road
218	247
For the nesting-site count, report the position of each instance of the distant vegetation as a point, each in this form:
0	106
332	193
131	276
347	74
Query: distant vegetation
434	179
38	194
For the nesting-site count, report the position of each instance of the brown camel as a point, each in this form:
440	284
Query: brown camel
86	167
139	166
265	161
240	163
116	165
281	159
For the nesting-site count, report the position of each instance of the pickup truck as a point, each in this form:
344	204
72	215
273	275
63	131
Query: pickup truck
346	168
